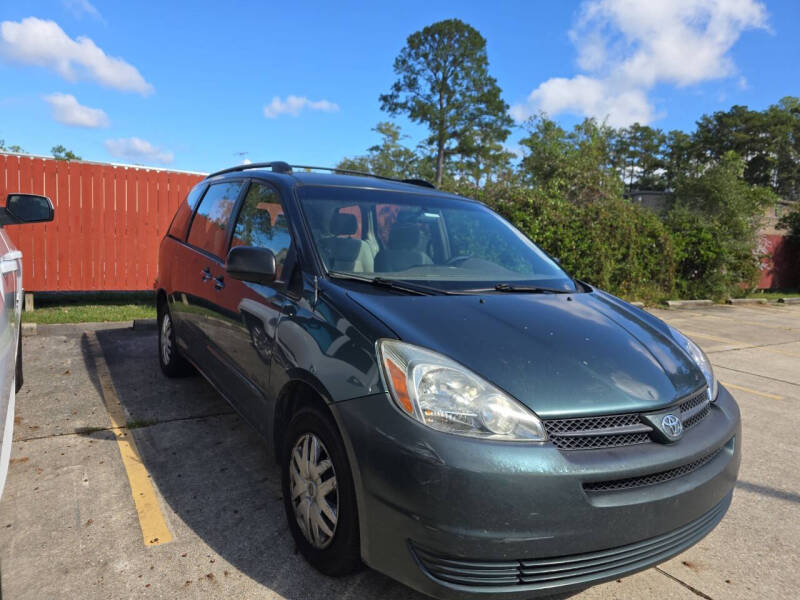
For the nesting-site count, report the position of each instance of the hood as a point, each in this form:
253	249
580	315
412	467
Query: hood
561	355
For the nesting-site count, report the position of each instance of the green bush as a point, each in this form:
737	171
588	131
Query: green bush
702	246
609	243
714	224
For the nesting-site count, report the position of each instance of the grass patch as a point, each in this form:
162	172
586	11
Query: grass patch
90	308
774	294
88	430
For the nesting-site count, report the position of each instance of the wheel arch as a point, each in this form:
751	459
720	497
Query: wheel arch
306	390
301	390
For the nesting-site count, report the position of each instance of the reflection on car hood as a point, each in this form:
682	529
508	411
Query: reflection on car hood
562	355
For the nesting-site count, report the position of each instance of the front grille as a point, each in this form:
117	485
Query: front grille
695	409
612	431
597	432
652	478
567	570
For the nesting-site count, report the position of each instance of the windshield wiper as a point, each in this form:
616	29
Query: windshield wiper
392	284
520	289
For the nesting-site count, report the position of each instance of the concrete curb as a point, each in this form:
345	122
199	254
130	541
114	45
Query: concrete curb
746	300
144	324
789	300
28	329
638	304
688	303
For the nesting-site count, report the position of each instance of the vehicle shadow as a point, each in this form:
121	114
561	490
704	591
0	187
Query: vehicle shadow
214	472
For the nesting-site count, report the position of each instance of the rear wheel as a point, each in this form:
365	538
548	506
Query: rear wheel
318	494
169	357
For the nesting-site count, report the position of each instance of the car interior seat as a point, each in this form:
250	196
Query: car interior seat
345	253
402	250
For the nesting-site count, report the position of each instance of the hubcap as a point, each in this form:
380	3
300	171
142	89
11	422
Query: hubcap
166	339
312	483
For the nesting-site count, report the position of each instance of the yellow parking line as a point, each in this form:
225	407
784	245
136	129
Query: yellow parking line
151	519
749	391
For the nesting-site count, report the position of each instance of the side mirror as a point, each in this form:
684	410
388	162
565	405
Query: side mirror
256	265
27	208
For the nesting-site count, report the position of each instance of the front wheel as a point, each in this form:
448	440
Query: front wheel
170	359
318	494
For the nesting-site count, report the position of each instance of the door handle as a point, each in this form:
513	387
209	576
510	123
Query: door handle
219	282
205	274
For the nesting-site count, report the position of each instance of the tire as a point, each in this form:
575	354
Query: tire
173	364
18	371
333	555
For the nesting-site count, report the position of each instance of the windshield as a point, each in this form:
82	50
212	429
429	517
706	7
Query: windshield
451	243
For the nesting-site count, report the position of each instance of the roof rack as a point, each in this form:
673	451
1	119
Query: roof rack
412	181
278	166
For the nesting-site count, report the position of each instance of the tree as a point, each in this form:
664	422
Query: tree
638	153
679	158
784	118
61	153
389	158
715	220
444	83
575	165
483	157
791	222
13	148
768	141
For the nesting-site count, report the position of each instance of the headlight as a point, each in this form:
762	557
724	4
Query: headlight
699	357
443	395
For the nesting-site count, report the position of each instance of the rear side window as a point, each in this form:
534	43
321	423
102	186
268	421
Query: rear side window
184	213
262	223
210	224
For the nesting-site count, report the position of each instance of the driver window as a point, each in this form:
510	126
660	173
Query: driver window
262	223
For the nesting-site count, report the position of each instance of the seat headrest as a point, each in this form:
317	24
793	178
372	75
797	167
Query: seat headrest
404	236
343	224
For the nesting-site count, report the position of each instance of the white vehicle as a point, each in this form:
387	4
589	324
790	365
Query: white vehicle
19	209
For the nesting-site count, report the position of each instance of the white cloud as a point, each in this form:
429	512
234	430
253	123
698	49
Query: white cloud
83	7
626	47
293	105
587	96
43	43
67	110
138	151
247	161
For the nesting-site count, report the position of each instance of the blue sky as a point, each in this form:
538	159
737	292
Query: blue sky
191	86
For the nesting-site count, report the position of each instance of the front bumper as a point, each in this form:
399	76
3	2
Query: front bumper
456	517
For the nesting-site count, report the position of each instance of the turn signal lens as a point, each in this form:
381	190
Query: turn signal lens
398	377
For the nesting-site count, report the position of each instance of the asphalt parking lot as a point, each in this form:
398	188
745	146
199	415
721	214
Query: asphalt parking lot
123	483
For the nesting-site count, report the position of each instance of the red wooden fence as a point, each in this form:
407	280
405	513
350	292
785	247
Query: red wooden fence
110	219
108	222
